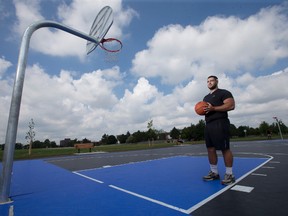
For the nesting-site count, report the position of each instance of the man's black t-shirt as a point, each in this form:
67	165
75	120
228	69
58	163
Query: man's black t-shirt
216	99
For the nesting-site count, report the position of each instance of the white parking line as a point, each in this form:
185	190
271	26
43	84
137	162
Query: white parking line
242	188
275	162
258	174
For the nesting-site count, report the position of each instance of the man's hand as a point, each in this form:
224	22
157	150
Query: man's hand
209	108
228	104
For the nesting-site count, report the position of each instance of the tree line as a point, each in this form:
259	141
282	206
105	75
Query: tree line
190	133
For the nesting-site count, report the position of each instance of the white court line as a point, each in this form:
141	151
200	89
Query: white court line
87	177
150	199
198	205
137	195
129	163
193	208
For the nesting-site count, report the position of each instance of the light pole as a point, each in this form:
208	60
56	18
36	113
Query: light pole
278	126
245	131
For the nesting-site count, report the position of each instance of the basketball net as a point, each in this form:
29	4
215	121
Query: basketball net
111	57
112	46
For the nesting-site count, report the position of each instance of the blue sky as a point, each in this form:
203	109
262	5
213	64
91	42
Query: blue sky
169	49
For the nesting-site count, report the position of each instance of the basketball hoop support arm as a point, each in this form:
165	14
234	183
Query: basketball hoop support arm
11	133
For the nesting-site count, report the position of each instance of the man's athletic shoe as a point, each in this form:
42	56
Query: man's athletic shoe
211	176
228	179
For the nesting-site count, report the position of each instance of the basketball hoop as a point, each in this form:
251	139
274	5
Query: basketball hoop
99	29
112	46
102	23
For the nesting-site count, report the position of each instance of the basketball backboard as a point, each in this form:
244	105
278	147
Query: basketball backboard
100	27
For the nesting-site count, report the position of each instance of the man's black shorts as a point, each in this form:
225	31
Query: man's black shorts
217	134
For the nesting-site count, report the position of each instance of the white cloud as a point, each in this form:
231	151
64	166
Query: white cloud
66	106
4	65
261	98
226	44
87	106
63	106
5	95
27	12
263	89
134	107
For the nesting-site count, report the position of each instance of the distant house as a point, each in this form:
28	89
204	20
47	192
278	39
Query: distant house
65	143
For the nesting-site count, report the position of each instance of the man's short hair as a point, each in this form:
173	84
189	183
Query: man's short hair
213	76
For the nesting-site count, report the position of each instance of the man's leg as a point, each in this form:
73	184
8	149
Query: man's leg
228	157
228	160
212	156
213	159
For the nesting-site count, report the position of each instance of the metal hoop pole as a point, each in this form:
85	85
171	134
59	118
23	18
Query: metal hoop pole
277	121
11	133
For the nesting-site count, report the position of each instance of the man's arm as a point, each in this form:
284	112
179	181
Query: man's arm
228	104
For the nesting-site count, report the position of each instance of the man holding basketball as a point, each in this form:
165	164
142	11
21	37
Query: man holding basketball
220	101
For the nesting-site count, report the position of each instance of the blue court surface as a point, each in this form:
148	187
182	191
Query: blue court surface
167	186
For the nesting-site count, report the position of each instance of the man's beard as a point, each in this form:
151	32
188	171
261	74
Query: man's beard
213	87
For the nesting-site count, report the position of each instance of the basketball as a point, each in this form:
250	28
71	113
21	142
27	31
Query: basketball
199	107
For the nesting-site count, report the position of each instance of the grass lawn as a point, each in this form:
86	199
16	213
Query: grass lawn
22	154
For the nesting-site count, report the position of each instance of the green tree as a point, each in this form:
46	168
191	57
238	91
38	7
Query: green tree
38	144
122	138
18	146
151	134
53	144
233	130
150	124
47	143
130	139
254	131
161	134
104	139
199	130
86	140
30	135
71	143
174	133
187	133
241	131
139	136
264	127
111	140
